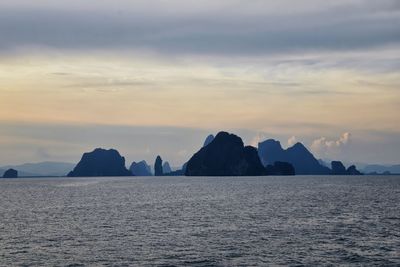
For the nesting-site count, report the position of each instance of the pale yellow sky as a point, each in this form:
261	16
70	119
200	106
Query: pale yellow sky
134	90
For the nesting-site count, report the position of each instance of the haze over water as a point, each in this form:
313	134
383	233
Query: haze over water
201	221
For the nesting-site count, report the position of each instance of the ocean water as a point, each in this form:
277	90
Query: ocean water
201	221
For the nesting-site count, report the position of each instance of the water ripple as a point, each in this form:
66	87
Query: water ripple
178	221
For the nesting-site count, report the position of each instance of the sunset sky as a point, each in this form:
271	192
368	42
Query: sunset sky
156	77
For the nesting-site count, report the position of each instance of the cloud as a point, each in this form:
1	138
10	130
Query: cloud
324	147
225	28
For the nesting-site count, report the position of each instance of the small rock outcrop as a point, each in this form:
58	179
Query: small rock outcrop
280	168
10	173
140	168
226	155
100	162
338	168
352	170
158	169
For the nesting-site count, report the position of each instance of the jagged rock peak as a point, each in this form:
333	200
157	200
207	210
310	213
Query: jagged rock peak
158	169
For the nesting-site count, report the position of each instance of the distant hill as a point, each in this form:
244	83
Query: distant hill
304	162
378	168
47	168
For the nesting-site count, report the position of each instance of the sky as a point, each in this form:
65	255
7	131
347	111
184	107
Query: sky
156	77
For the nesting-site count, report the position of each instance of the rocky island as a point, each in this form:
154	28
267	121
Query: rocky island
140	169
225	155
337	168
303	161
100	162
10	173
222	155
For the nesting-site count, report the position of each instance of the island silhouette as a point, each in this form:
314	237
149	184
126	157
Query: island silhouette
100	162
222	155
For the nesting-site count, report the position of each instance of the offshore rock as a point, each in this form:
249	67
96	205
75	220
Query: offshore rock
10	173
225	155
100	162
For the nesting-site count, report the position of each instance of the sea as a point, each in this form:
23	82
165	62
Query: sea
201	221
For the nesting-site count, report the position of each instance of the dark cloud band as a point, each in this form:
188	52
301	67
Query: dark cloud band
226	33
